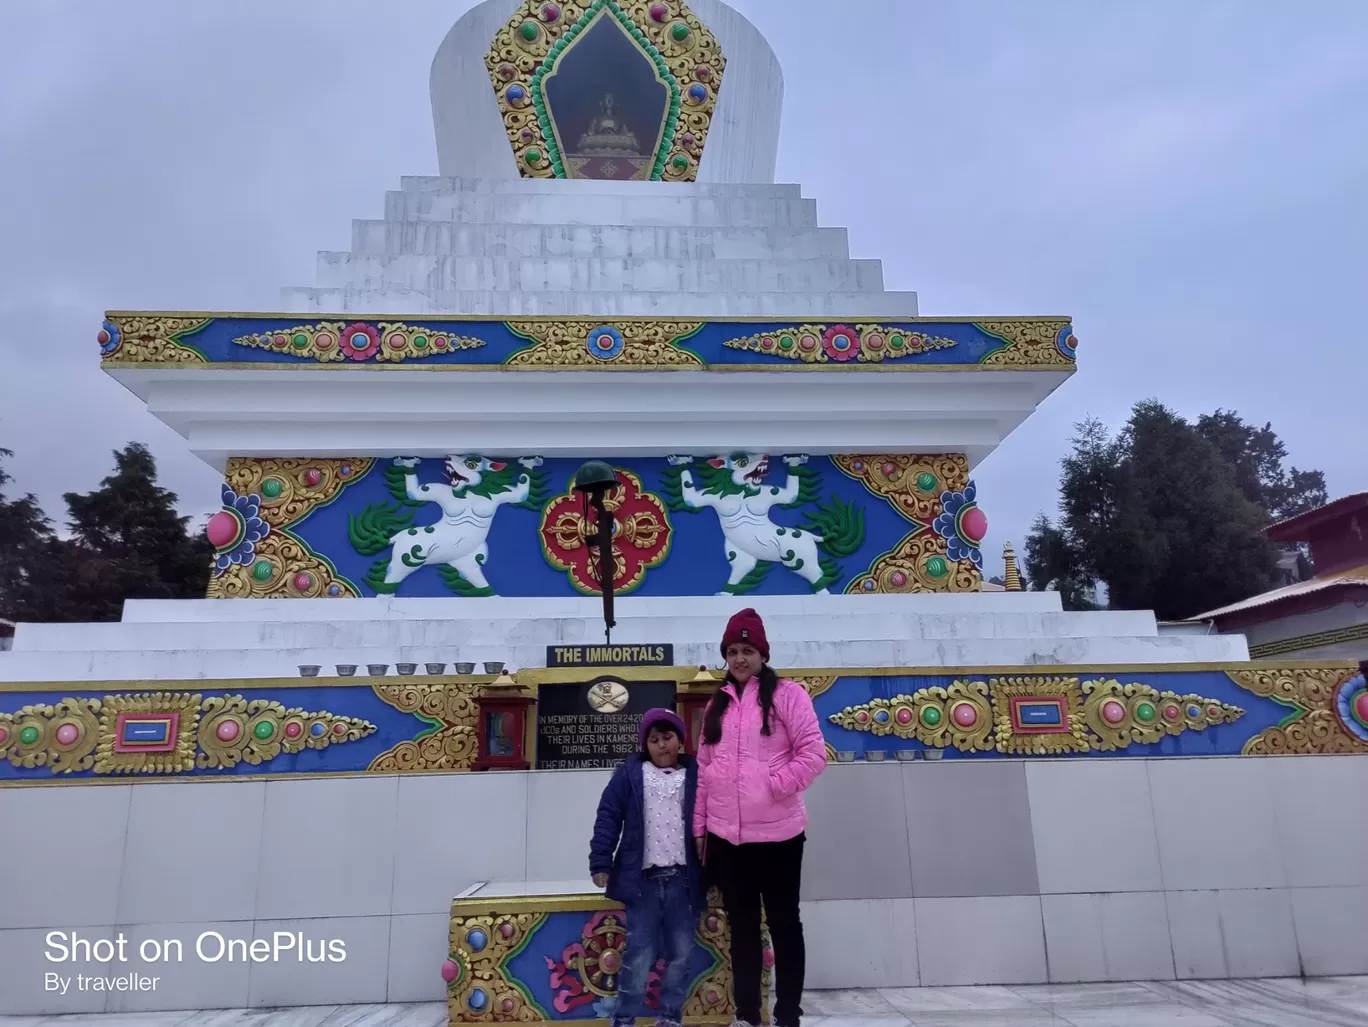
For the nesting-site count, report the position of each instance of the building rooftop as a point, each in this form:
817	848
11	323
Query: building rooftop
1303	525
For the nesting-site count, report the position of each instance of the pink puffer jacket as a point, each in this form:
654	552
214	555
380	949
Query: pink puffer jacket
750	785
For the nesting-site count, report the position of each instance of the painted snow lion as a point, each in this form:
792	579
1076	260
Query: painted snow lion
734	487
474	490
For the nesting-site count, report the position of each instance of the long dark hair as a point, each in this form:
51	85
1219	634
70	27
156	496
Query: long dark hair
712	717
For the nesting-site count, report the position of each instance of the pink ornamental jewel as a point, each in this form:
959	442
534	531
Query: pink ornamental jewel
964	714
360	341
841	343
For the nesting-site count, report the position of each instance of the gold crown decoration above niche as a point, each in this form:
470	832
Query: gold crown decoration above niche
620	90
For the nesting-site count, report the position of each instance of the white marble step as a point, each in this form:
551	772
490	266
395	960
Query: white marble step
586	630
590	274
668	242
109	666
778	305
573	190
597	209
720	608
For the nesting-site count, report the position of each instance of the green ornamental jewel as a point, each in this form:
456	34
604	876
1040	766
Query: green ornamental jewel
786	342
926	481
264	730
28	735
420	342
529	30
300	340
534	156
262	570
681	161
895	341
930	716
680	32
1144	712
937	567
271	488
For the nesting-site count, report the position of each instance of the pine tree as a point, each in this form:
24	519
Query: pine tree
128	542
25	536
1169	515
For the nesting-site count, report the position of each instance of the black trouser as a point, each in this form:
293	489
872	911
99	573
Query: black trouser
752	875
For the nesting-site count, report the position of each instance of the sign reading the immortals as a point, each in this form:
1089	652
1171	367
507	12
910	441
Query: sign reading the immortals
660	655
594	723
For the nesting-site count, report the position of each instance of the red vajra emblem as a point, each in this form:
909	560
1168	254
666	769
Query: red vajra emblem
641	535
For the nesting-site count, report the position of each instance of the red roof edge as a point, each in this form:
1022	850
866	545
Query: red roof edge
1298	528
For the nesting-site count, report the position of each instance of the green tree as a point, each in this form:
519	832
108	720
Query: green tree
1051	565
128	542
1162	514
25	537
1257	456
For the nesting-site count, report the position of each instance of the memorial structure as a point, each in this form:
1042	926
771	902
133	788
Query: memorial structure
405	590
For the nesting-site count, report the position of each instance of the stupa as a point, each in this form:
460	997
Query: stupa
605	270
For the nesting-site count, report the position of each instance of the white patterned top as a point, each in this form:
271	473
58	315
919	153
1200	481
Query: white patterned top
664	792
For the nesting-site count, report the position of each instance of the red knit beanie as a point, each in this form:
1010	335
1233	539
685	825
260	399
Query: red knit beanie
746	626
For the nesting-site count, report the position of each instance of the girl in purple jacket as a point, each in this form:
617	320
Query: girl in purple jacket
761	748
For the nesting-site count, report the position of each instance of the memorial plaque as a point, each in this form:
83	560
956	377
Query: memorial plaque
594	723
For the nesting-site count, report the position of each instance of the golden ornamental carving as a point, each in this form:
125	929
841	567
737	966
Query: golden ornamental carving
385	342
1307	687
1121	715
839	343
1069	736
1031	344
919	563
61	737
482	967
1316	732
1313	726
291	487
284	567
234	729
639	345
912	483
815	686
178	711
711	996
452	746
685	56
960	716
139	339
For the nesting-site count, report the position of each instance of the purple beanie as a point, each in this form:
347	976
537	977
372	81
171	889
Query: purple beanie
667	718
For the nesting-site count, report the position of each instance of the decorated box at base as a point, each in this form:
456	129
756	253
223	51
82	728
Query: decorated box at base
552	951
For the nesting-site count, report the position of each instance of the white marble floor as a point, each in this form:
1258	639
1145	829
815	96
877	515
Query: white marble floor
1292	1002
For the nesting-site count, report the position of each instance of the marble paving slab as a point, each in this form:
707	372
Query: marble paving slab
1292	1002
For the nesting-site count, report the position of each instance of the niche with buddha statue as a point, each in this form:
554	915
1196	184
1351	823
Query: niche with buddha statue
608	104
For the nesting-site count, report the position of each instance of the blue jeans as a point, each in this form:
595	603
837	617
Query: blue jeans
660	925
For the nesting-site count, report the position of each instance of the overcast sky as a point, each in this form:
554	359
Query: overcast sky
1187	179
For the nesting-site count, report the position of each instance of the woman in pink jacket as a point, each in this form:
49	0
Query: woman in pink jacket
761	748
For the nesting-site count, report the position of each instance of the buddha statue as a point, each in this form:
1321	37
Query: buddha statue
608	135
